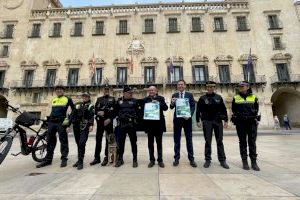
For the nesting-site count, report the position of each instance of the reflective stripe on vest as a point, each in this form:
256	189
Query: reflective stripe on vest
60	101
240	100
79	105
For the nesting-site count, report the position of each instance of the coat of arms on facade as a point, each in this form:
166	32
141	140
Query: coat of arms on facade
136	47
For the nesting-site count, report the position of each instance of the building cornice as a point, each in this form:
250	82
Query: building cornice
142	8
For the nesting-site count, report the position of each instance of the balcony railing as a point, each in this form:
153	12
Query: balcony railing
291	79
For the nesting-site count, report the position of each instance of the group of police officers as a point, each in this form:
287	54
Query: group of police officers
122	117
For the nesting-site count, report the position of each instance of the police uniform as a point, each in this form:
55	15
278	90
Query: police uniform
82	119
245	116
126	110
107	105
211	109
60	105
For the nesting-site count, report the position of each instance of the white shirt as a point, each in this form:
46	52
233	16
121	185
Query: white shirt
183	95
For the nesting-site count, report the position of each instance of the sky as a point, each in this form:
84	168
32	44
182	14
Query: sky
76	3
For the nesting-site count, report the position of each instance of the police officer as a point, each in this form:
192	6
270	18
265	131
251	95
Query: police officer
211	109
245	116
60	105
126	109
155	128
105	113
83	120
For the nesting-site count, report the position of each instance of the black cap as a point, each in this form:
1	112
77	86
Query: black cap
244	83
87	94
127	89
59	87
211	83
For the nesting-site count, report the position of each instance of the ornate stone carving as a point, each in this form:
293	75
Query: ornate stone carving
199	58
12	4
149	61
136	47
51	62
121	60
176	59
244	57
29	65
98	61
281	56
74	62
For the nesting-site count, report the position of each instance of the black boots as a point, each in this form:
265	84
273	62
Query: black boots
44	164
105	162
135	164
224	164
254	165
176	163
245	165
95	162
80	165
206	164
63	163
119	163
193	164
151	164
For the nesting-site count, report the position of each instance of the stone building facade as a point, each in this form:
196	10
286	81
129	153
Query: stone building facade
43	44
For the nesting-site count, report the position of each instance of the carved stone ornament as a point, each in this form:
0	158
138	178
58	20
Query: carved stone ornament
51	63
74	62
149	61
243	59
136	47
199	60
12	4
98	61
281	56
176	59
222	59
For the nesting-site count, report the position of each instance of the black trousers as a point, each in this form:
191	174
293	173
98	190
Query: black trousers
157	135
53	128
247	130
180	123
131	131
81	137
208	128
99	135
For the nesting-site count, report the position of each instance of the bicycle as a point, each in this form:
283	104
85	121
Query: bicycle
36	145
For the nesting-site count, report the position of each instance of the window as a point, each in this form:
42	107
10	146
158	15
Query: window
249	74
242	24
97	77
149	26
77	29
2	77
36	98
277	42
51	77
99	29
123	28
37	116
273	22
219	24
56	30
5	51
8	34
224	74
200	73
36	29
73	77
28	78
149	75
173	25
196	24
283	72
175	74
122	75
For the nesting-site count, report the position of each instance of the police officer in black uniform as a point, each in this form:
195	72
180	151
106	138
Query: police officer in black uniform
57	122
245	109
82	118
105	114
211	109
155	128
126	109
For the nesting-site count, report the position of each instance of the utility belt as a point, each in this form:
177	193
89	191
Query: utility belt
56	119
127	122
240	118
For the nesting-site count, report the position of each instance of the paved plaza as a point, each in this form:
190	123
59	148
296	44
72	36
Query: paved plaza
279	177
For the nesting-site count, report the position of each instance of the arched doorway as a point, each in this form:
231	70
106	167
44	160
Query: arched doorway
287	101
3	107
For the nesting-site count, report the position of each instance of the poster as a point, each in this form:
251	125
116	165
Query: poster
183	109
151	111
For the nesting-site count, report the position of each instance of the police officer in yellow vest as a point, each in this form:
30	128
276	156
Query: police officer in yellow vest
60	105
245	116
83	120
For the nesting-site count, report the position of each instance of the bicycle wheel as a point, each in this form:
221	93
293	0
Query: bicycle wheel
5	145
39	149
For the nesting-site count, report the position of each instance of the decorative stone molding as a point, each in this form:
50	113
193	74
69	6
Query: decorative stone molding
75	62
281	57
30	65
98	61
177	60
149	61
223	60
243	59
121	62
136	47
3	65
199	60
51	64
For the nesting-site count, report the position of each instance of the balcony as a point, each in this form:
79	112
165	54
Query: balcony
98	31
7	35
292	79
173	29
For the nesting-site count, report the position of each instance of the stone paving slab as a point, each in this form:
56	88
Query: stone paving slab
279	179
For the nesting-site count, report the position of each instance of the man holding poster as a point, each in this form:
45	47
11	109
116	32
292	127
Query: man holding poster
184	105
155	125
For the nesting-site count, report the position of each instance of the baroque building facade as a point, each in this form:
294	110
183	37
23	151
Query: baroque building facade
43	44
